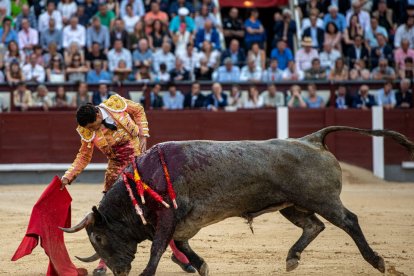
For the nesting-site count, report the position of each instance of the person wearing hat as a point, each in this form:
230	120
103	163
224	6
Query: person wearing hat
306	54
335	17
182	20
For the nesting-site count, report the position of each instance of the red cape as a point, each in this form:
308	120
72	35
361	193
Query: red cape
50	211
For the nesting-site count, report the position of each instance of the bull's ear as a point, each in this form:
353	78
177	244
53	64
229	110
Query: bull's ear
97	215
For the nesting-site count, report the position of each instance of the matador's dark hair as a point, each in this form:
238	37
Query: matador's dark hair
86	114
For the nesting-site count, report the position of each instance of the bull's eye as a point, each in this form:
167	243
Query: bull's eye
98	239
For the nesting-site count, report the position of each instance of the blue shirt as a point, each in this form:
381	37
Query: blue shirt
11	36
316	104
253	37
383	99
225	76
175	24
339	21
176	102
282	58
92	77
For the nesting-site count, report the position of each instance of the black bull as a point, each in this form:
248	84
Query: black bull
216	180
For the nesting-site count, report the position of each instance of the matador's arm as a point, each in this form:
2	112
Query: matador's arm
83	158
137	113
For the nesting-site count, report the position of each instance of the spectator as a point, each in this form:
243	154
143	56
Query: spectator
307	7
96	54
156	101
142	55
13	73
179	73
295	99
98	34
67	9
383	50
84	20
258	55
316	33
314	100
273	73
56	71
329	56
133	38
404	97
122	73
182	22
336	18
51	34
253	99
292	72
306	55
343	100
282	54
353	31
157	36
371	35
359	71
62	100
362	16
203	17
217	99
386	96
234	99
316	72
235	53
194	100
385	16
190	58
254	30
402	53
82	97
137	8
227	72
4	15
208	34
26	14
165	56
178	5
74	32
284	30
233	28
7	34
174	99
272	98
306	22
333	37
13	54
211	6
119	53
73	49
98	74
203	71
405	31
408	71
383	71
250	72
91	8
50	12
364	100
28	37
41	98
357	52
340	71
106	16
33	71
76	71
102	94
52	53
155	14
22	97
210	54
162	74
130	19
37	50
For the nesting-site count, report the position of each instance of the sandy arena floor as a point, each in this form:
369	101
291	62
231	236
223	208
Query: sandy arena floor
385	210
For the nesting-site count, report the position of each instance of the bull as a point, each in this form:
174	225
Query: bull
217	180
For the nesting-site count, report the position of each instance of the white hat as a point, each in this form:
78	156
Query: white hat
183	11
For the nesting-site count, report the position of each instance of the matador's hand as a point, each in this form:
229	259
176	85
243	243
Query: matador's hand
142	144
65	182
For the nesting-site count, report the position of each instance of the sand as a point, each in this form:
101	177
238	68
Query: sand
385	213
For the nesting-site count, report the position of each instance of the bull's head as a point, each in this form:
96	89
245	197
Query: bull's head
114	242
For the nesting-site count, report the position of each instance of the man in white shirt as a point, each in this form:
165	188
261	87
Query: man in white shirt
305	55
405	31
74	32
28	37
33	71
363	16
51	11
117	54
165	56
329	56
250	72
190	58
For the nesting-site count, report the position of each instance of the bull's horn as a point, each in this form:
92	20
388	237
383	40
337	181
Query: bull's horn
90	259
86	221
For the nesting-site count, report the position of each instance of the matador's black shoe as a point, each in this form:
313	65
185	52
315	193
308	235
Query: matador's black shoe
186	267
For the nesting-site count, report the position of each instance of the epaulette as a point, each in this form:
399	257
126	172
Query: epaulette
115	103
86	134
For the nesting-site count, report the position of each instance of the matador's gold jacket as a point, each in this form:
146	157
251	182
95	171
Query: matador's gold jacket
131	124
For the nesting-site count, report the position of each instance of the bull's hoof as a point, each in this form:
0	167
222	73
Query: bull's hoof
380	264
204	271
291	264
186	267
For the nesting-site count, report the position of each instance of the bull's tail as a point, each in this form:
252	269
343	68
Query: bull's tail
318	138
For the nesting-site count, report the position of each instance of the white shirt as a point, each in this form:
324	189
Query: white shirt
328	59
306	23
67	10
130	22
247	75
7	5
29	38
363	17
213	60
71	35
403	33
190	62
287	74
106	117
36	72
43	23
161	57
304	60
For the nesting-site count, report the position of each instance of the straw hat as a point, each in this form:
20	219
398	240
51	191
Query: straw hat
307	41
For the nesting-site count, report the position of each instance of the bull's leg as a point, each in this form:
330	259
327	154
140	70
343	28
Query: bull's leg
311	226
341	217
195	260
163	234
